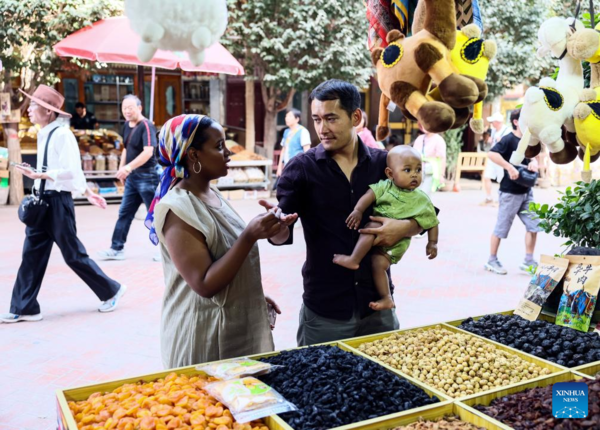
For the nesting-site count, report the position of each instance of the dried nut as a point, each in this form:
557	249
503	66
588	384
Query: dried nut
460	364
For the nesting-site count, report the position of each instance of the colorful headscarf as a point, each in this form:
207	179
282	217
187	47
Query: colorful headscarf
174	139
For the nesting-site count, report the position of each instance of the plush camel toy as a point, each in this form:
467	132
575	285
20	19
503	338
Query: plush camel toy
587	117
587	112
550	106
407	67
471	55
177	25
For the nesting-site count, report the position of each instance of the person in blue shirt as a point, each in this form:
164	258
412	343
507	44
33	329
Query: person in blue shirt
296	139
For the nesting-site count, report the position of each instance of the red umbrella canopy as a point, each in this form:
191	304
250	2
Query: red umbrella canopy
112	40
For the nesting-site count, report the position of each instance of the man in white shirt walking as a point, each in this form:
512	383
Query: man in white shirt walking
62	176
492	170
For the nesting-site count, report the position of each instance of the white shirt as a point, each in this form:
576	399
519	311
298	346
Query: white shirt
64	161
496	135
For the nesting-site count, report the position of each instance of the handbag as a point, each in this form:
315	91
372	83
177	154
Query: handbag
32	209
526	177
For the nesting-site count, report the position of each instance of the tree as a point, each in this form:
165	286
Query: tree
295	45
514	24
29	30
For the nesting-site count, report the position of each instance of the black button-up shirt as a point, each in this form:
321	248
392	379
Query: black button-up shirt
314	186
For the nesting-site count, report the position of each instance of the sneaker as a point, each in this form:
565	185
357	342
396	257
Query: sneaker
487	202
12	318
495	267
528	267
111	254
157	257
111	304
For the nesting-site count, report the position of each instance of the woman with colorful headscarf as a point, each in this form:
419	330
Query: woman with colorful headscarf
214	306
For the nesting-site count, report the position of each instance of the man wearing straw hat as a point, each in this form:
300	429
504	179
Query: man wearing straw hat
62	175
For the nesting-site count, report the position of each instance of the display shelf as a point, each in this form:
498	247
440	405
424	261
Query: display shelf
244	185
541	317
590	370
486	398
265	165
356	342
274	422
100	174
121	84
440	411
461	407
250	163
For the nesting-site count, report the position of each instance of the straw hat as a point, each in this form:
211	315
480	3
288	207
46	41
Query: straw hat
48	98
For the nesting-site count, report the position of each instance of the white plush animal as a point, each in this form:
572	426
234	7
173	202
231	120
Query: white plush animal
550	106
177	25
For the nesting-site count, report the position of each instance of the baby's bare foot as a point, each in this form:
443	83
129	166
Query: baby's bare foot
345	261
383	304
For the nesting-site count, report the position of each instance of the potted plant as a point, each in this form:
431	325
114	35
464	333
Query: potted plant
454	143
576	216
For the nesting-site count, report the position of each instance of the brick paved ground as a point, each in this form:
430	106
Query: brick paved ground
76	345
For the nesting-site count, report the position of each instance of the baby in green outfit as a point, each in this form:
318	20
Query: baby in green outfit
397	197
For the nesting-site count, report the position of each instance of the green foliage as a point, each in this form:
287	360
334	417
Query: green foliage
576	217
514	24
298	44
454	143
30	28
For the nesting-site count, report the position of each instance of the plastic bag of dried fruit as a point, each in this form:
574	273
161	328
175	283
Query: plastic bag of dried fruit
249	399
236	368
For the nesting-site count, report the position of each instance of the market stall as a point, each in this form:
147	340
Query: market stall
371	382
247	170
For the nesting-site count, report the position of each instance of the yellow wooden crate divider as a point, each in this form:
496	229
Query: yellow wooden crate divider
461	407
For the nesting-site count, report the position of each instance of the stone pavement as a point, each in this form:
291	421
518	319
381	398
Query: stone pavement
76	345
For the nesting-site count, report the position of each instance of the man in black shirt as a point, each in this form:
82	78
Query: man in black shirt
322	186
82	119
137	171
514	199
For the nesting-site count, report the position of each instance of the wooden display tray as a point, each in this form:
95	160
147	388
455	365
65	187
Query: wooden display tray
542	317
440	411
590	370
487	398
66	420
356	342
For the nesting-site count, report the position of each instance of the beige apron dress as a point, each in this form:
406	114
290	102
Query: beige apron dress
234	322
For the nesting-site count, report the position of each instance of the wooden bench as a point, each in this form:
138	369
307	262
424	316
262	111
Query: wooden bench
469	162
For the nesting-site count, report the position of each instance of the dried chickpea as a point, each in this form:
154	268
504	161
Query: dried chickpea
455	363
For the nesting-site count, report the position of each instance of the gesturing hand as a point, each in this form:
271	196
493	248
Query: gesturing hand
285	220
263	226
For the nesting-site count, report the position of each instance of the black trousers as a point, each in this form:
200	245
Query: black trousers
57	227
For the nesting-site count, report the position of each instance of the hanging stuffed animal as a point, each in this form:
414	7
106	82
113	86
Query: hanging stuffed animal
549	106
407	67
587	122
587	112
177	25
471	55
